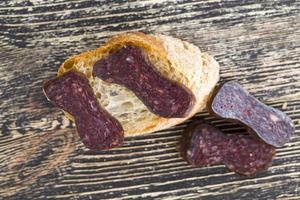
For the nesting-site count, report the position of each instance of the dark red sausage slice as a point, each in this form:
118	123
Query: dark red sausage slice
232	101
246	155
205	145
130	67
96	127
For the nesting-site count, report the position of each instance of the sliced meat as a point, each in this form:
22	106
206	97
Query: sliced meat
96	127
247	155
233	102
205	145
130	67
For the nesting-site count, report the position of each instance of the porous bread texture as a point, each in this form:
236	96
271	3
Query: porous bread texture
175	59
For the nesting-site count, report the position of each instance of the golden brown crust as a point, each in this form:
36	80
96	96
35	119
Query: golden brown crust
178	60
147	42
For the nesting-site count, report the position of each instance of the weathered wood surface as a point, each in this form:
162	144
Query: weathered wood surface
41	157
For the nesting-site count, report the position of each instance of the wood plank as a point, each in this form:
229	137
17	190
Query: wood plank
41	156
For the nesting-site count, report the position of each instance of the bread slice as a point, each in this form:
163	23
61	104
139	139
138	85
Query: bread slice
175	59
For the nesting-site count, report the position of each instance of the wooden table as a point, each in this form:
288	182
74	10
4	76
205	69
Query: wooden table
41	156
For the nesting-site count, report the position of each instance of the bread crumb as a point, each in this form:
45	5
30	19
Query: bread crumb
284	105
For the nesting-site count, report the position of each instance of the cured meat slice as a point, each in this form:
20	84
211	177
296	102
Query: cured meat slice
130	67
246	155
96	127
233	102
205	145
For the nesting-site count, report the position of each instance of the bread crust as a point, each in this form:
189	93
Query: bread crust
171	56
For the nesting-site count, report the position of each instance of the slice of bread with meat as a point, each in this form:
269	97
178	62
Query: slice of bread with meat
175	59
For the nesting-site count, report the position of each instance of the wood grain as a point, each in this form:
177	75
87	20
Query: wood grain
41	157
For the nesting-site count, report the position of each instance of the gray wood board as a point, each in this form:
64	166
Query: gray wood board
41	157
